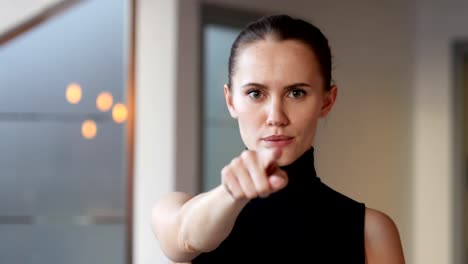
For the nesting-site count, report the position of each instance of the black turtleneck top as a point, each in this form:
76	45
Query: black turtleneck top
306	222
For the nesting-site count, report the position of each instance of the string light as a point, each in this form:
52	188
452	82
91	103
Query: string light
119	113
73	93
89	129
104	101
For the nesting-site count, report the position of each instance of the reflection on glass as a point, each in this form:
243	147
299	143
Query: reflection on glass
89	129
104	101
119	113
73	93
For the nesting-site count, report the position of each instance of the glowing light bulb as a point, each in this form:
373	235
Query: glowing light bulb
73	93
104	101
119	113
89	129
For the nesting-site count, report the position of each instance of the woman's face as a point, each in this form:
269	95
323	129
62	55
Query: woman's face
278	95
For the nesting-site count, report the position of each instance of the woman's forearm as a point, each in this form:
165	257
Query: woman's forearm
187	226
206	220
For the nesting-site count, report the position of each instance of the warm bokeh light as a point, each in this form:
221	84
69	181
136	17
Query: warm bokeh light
73	93
89	129
119	113
104	101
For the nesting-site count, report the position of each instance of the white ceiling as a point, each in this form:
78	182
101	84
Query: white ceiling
14	12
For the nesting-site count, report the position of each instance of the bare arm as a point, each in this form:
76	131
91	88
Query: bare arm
382	240
187	226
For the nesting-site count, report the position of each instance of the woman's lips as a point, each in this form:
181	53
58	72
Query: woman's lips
278	140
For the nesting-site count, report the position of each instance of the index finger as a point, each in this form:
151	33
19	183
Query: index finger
268	159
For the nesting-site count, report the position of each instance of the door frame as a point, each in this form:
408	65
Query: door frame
459	62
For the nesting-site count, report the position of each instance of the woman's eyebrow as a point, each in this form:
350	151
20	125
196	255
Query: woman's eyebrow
295	85
254	84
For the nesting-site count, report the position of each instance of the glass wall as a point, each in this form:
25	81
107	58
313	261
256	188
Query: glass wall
221	141
63	182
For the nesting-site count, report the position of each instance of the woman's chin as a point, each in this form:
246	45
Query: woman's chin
287	157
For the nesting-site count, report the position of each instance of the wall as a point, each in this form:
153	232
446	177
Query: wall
154	119
435	229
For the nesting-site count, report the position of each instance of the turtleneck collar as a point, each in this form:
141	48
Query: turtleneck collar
302	170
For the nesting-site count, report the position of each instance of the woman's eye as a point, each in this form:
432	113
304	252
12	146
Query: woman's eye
255	94
297	93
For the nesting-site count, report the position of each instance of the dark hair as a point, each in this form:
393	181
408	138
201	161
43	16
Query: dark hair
284	27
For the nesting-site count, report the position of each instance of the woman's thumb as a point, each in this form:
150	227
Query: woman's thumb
278	180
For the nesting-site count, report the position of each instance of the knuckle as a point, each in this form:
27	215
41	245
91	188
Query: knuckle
226	174
251	195
246	154
236	161
238	195
263	190
225	171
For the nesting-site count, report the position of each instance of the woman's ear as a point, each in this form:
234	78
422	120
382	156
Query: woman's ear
329	99
229	104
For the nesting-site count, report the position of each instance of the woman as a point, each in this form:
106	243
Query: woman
271	206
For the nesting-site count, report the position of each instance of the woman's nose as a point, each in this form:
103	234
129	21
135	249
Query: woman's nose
276	115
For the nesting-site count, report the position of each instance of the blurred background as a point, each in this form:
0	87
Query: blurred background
107	105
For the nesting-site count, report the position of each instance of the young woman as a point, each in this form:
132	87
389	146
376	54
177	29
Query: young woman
271	206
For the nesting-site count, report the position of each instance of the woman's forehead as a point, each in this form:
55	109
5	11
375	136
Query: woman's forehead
276	61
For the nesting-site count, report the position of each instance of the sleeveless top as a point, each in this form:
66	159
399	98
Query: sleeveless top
305	222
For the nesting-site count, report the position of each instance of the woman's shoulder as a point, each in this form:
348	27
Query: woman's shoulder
379	225
382	238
